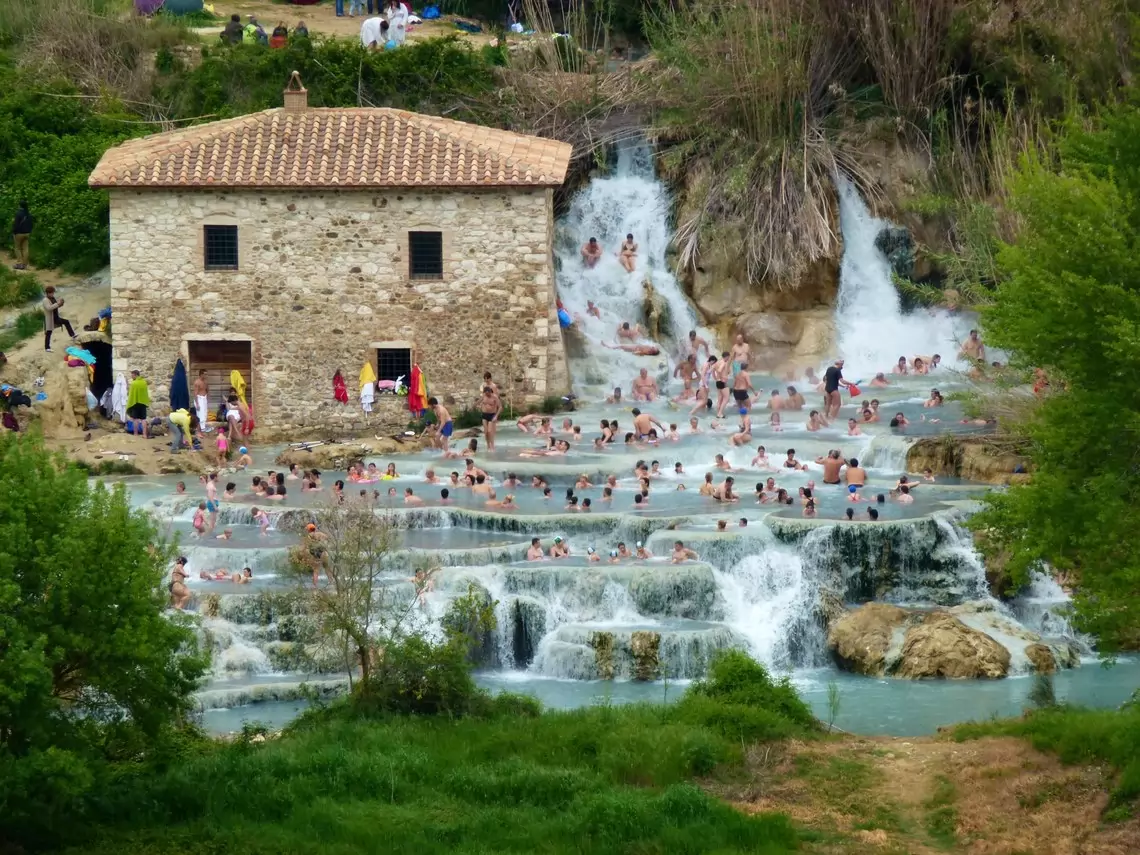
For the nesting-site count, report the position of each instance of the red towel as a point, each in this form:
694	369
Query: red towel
340	391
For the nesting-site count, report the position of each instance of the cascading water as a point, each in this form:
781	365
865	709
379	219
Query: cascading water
872	328
628	201
772	600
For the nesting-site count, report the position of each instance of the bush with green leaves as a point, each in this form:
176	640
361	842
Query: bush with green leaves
740	699
50	140
428	76
92	673
1068	305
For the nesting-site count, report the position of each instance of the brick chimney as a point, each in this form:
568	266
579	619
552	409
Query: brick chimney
296	95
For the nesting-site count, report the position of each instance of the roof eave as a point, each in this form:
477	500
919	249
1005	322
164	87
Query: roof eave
100	184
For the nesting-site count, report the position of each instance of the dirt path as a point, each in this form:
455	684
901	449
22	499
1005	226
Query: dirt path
994	796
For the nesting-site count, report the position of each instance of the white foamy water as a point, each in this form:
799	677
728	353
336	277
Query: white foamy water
770	601
872	329
629	201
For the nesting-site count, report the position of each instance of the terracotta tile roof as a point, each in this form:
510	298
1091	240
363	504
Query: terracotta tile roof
328	147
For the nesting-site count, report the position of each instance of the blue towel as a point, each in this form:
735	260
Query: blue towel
179	388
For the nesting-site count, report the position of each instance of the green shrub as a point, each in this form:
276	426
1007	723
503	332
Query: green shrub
430	76
739	698
50	140
94	673
18	288
27	324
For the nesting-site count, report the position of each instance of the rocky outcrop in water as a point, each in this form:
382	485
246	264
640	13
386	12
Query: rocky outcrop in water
971	641
964	457
338	455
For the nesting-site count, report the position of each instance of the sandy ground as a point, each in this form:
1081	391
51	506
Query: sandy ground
322	18
994	796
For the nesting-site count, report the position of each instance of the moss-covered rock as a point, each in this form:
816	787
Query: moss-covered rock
645	646
528	626
603	647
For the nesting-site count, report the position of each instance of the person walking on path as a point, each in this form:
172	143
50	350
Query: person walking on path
51	307
21	232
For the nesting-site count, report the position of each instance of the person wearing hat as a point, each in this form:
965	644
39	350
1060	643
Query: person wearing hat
642	552
560	549
244	459
591	554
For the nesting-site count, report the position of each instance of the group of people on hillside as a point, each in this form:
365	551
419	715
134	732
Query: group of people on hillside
252	33
378	32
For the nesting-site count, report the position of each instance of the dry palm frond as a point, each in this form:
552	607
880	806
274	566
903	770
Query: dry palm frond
754	86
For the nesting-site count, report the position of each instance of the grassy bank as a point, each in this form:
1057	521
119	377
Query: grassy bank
504	778
1081	736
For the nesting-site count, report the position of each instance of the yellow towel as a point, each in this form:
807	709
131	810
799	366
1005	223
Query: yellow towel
238	382
367	374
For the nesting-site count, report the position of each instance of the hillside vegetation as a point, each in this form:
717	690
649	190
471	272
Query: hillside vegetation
754	106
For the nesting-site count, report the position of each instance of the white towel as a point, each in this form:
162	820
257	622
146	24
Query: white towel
119	399
367	396
203	402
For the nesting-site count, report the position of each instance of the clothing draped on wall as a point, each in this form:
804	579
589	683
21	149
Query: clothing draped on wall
417	392
119	399
367	387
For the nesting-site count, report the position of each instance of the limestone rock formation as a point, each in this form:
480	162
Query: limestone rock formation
862	639
1044	662
940	645
963	457
63	415
970	641
338	455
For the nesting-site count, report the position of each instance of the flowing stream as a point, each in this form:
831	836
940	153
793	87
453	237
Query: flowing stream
575	630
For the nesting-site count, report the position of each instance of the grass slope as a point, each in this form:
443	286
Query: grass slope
1079	735
598	780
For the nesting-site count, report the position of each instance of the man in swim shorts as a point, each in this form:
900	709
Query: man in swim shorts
642	423
721	372
490	405
742	387
443	419
644	387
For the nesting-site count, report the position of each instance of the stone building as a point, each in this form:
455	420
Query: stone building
295	241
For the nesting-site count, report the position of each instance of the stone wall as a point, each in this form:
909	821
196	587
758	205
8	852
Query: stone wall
323	277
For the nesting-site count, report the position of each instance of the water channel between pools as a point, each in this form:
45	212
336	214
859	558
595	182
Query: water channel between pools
567	626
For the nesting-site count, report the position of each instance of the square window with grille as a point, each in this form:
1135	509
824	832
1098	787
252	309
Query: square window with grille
425	255
221	247
393	363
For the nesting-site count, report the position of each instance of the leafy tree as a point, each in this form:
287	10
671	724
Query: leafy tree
1071	305
91	670
370	605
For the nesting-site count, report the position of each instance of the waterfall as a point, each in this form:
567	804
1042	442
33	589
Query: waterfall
1043	606
872	328
772	600
628	201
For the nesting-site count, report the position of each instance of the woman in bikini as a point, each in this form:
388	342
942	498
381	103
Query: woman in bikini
179	593
628	253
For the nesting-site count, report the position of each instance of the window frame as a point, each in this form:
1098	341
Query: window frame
432	276
206	232
411	358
